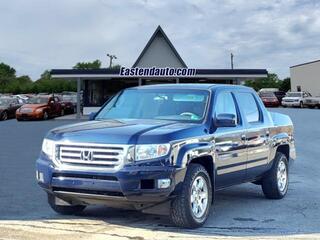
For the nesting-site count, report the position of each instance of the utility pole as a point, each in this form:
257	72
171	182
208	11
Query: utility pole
231	56
111	58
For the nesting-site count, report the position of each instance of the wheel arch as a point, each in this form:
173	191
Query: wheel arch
285	149
207	162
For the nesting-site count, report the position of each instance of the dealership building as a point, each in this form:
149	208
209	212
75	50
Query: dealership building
306	77
158	63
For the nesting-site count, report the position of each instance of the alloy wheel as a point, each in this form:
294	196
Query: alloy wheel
282	176
199	197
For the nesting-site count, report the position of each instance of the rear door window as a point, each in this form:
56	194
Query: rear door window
249	107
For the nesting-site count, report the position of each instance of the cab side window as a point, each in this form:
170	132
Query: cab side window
249	107
225	104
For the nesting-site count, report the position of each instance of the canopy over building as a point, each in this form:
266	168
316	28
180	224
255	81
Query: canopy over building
159	62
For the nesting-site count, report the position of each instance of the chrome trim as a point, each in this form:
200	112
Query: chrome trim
245	165
104	157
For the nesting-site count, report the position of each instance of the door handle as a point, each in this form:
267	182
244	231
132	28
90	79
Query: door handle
243	137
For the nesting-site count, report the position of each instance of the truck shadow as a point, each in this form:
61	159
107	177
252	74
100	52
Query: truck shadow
238	211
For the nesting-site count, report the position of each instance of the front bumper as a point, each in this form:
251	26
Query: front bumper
132	184
271	104
29	116
290	104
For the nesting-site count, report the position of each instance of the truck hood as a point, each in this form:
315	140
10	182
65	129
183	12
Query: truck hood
126	131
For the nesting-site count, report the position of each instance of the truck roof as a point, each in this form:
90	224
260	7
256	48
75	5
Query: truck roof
200	86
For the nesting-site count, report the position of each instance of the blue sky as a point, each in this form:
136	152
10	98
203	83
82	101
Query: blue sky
36	35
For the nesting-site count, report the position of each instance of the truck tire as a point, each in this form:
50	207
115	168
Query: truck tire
191	208
65	210
45	115
4	116
275	183
301	105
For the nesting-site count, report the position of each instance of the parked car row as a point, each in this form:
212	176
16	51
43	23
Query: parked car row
272	98
8	107
36	107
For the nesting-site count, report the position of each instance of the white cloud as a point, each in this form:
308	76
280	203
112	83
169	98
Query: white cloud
43	34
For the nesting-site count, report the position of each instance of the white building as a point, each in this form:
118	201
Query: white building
306	77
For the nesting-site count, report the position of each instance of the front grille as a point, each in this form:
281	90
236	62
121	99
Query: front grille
90	155
26	110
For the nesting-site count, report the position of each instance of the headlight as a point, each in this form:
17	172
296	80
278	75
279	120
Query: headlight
48	147
150	151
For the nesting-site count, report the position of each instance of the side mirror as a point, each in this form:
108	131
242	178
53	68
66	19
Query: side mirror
226	120
92	116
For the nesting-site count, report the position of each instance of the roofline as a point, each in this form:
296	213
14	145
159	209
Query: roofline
200	73
159	29
302	64
213	76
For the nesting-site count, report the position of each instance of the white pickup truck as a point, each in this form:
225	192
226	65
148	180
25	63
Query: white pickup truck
295	99
312	102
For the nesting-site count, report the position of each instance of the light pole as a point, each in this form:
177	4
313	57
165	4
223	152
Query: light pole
111	58
231	58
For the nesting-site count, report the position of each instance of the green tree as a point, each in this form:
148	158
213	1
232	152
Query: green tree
285	84
7	71
271	81
7	74
88	65
47	84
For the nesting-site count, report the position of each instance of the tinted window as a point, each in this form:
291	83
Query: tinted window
266	94
38	100
225	104
249	107
294	94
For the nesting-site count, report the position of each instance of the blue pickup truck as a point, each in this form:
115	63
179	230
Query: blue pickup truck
167	149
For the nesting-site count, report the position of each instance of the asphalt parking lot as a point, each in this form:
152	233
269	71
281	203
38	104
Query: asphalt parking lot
240	211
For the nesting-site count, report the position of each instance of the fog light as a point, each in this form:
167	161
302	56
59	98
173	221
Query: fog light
164	183
39	176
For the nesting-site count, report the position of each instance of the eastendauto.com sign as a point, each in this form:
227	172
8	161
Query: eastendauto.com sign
154	71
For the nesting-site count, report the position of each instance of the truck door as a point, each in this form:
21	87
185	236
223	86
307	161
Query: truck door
257	135
230	144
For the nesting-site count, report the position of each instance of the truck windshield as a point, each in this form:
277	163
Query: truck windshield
4	101
294	94
180	105
266	94
38	100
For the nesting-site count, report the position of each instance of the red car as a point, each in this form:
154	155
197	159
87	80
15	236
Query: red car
40	107
269	99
